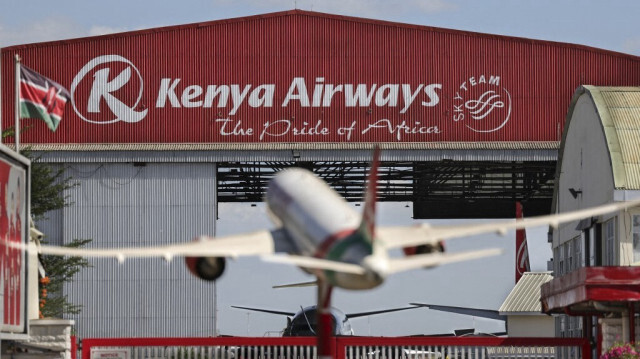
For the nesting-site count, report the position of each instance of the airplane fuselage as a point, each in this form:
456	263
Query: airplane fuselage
320	223
304	323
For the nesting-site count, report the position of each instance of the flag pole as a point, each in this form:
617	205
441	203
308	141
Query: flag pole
1	139
17	104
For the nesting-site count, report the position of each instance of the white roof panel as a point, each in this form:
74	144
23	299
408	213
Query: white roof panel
525	296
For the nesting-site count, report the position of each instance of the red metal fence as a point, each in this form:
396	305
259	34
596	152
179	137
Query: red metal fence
345	348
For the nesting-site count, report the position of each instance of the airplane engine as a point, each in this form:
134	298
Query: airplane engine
424	249
207	268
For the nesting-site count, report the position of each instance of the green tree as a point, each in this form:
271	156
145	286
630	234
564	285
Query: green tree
48	185
53	304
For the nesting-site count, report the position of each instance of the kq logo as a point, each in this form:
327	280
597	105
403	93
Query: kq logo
482	104
104	89
522	258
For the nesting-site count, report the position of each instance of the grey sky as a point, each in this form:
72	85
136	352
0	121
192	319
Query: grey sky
610	25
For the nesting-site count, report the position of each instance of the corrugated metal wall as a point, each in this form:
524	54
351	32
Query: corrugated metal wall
126	205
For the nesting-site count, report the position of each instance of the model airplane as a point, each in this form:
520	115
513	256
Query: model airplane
304	322
321	233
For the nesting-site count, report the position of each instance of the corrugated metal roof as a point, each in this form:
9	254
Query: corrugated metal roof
525	296
619	112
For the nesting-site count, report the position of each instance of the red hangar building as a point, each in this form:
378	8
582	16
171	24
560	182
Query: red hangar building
165	123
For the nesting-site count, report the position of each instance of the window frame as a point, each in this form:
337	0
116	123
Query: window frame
610	242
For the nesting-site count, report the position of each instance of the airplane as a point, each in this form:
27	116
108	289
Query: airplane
303	323
318	231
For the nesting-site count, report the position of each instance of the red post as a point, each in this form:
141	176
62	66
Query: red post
599	352
632	322
86	350
340	347
586	349
325	321
74	347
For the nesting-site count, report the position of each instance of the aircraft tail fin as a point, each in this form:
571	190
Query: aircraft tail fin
522	251
368	222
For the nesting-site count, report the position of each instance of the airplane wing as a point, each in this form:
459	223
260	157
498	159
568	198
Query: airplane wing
436	259
253	243
395	264
315	263
481	313
296	285
288	314
397	237
366	314
267	242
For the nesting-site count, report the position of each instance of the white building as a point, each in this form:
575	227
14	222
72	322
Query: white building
595	259
523	309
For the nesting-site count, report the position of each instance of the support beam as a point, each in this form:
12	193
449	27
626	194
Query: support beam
462	187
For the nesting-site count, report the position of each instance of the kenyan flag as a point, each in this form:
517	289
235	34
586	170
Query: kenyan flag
41	98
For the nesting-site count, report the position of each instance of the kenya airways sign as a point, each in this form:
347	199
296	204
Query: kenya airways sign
298	109
299	77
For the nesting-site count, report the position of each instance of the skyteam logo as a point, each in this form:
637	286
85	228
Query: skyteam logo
482	104
102	88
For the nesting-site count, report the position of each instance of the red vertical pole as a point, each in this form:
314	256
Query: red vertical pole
340	347
587	333
74	347
586	326
632	322
599	352
86	349
325	321
586	350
